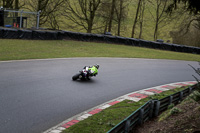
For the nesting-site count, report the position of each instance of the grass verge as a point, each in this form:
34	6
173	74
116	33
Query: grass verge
108	118
37	49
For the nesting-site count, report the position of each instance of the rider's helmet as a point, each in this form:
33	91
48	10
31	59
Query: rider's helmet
97	66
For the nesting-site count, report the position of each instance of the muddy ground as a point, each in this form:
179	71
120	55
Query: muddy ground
186	120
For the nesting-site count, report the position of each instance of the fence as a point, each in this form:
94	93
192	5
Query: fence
10	33
19	18
149	110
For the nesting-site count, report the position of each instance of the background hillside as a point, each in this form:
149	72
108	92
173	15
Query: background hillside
143	19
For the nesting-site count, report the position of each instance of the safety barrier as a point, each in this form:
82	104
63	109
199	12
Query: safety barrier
149	110
10	33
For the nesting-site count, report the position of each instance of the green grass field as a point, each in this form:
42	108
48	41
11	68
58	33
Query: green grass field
36	49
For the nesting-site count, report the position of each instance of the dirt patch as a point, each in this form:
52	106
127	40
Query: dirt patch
185	121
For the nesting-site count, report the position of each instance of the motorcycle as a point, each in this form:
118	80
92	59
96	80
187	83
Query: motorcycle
85	74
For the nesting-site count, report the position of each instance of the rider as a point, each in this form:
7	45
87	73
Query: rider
91	70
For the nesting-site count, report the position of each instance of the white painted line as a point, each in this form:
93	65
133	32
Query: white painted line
146	92
55	131
86	116
81	118
132	98
120	99
61	128
105	106
161	89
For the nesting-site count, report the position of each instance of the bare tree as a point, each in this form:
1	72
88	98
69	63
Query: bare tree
17	4
188	32
160	15
8	3
104	13
81	12
12	4
47	7
141	17
189	29
111	15
193	6
119	16
161	6
121	13
53	21
107	13
136	18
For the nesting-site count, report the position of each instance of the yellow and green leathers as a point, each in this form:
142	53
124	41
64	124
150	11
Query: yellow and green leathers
93	70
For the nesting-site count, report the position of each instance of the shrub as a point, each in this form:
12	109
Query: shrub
175	110
195	95
171	106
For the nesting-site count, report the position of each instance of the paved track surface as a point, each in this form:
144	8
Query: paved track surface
36	95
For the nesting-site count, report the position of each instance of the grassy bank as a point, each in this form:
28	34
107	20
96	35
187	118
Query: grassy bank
183	118
37	49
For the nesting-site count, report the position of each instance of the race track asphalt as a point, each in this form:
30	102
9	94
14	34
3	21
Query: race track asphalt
36	95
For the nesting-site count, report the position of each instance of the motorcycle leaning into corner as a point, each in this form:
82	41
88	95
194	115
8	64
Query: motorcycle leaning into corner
87	73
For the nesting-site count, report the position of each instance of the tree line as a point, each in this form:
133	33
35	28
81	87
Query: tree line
101	16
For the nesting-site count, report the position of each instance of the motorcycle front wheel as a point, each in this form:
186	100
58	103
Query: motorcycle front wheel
75	77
